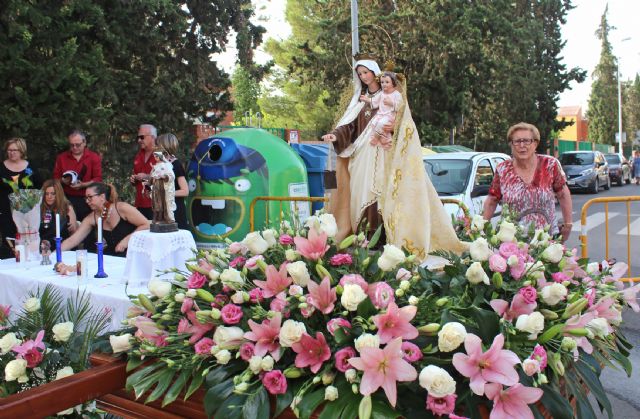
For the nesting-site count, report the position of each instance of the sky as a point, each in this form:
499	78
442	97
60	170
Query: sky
582	48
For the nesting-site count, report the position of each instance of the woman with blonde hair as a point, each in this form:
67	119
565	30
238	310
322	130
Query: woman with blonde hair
54	202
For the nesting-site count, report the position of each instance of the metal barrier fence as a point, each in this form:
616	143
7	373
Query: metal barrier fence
584	230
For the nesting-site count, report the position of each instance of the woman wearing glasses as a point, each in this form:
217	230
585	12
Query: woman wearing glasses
54	202
530	183
119	220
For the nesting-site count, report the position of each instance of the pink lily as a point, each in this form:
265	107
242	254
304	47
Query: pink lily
311	352
4	313
314	247
604	308
630	297
322	296
495	365
148	330
29	350
266	336
396	323
518	307
197	329
512	402
577	322
276	282
383	368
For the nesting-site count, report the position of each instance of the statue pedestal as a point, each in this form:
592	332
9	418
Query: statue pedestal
149	253
163	227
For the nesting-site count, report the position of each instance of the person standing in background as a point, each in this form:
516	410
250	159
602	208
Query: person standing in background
142	165
635	166
76	169
169	145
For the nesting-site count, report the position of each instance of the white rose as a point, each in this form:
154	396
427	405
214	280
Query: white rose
553	294
451	336
7	342
232	278
120	343
213	275
255	364
159	288
478	222
367	340
437	381
479	250
291	332
255	243
32	304
476	274
540	238
593	268
531	323
531	366
299	273
599	327
507	232
351	375
352	295
64	372
553	253
15	369
267	363
328	224
237	297
291	255
223	357
391	257
330	393
228	337
270	237
179	297
62	331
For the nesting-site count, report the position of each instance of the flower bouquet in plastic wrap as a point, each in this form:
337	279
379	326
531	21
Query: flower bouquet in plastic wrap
25	211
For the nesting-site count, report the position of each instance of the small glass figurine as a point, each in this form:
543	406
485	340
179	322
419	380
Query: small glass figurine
45	251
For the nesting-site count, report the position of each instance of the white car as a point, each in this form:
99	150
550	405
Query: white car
463	176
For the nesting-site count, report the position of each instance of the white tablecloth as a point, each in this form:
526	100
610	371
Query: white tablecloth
16	281
149	253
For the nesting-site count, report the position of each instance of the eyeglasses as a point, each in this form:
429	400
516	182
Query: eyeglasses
13	150
141	136
75	145
90	197
525	141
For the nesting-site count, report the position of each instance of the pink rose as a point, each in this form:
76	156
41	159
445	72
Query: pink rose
252	262
255	295
333	324
341	259
529	294
381	294
231	314
278	304
518	269
247	350
497	263
187	305
237	248
238	262
509	248
442	405
540	354
285	239
220	300
411	352
354	279
275	382
560	277
33	357
342	358
203	346
196	280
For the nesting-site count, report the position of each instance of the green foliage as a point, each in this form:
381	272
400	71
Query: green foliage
246	90
631	108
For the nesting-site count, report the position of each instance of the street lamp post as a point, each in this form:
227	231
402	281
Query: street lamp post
620	150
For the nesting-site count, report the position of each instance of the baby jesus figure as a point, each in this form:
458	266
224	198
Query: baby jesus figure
388	103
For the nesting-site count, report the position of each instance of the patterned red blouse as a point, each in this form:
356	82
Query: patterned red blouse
535	202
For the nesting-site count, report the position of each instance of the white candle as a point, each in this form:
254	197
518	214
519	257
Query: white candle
57	226
99	229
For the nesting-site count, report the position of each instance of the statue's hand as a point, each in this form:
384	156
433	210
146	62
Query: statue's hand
329	137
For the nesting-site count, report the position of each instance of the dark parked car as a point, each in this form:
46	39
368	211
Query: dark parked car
586	170
619	168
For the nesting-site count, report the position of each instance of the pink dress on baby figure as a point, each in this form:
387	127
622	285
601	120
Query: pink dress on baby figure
386	114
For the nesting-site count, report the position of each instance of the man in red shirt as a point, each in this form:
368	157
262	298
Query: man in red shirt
142	165
77	168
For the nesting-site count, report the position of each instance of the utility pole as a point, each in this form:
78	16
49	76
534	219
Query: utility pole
620	149
355	38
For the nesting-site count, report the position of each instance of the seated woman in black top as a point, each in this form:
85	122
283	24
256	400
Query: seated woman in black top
54	202
119	220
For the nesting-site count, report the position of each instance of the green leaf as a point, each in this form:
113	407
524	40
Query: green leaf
176	388
592	381
214	397
257	405
284	400
341	336
623	361
140	375
134	363
583	406
310	403
231	407
221	373
375	237
382	409
194	385
555	403
163	385
366	308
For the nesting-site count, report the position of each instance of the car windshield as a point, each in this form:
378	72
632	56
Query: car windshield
576	159
449	177
612	158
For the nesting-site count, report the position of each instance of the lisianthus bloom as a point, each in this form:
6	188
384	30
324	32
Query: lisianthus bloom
508	249
246	351
203	346
277	281
31	350
231	314
354	279
266	336
497	263
529	294
196	280
311	352
256	295
411	352
342	358
322	296
333	324
494	365
513	402
383	368
238	262
540	354
252	262
285	239
341	259
396	323
313	247
275	382
381	294
442	405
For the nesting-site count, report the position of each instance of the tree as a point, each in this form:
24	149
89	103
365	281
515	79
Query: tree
246	90
603	100
631	109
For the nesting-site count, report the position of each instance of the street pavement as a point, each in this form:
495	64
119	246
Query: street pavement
623	391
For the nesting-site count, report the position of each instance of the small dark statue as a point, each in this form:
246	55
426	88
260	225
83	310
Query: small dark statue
45	251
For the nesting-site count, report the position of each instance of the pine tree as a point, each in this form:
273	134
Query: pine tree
631	109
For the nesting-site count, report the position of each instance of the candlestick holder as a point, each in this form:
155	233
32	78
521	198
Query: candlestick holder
101	273
58	249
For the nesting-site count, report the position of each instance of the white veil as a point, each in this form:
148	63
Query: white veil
355	106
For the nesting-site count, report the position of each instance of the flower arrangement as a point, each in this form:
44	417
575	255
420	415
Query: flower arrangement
50	339
295	316
24	198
